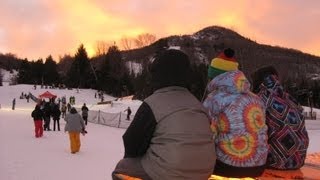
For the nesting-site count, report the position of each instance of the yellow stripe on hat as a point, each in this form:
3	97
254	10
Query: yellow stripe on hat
224	64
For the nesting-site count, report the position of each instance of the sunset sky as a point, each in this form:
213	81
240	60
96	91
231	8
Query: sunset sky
37	28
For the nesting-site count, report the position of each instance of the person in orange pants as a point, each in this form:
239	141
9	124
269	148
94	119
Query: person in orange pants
74	141
74	125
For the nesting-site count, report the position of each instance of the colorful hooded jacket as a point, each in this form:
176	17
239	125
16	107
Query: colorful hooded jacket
237	120
288	137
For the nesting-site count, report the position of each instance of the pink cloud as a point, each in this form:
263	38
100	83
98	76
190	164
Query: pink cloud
37	28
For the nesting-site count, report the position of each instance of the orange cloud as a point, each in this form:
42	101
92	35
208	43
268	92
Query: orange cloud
36	29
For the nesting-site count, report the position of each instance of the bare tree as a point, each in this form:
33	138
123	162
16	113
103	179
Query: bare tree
102	47
144	40
126	43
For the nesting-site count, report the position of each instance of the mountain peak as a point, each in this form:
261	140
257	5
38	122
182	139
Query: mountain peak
216	32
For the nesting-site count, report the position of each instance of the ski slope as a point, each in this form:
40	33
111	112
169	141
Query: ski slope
24	157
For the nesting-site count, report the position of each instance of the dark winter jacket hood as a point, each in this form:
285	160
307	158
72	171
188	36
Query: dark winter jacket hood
170	68
272	83
259	76
73	110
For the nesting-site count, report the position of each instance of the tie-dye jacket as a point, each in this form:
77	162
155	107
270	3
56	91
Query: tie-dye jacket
287	134
238	121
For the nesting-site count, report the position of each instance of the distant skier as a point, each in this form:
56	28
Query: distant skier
68	107
85	110
28	97
13	103
63	110
128	113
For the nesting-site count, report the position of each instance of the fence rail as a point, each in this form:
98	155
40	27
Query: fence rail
109	119
104	118
310	116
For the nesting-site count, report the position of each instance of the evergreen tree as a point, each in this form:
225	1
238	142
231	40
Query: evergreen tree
79	74
141	83
37	71
51	75
113	73
72	79
25	72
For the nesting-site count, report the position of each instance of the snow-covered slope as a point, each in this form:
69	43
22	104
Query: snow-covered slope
24	157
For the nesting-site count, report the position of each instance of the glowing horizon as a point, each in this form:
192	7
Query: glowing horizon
38	28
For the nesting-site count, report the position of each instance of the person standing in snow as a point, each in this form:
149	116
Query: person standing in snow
85	111
47	114
74	125
287	134
128	113
56	116
13	103
68	107
37	116
63	109
170	136
237	120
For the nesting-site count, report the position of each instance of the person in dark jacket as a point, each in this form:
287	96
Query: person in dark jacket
47	114
68	107
128	110
85	111
170	136
56	116
287	135
13	103
75	126
37	116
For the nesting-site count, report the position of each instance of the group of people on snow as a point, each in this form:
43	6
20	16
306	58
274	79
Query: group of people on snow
238	131
75	123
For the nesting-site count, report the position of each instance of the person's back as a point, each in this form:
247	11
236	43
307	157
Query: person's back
56	112
37	116
74	121
288	137
63	107
170	136
37	113
238	120
47	109
181	123
74	126
84	110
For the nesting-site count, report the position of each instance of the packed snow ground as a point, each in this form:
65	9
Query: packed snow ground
24	157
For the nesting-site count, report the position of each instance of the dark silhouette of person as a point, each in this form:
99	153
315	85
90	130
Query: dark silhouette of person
128	113
13	103
85	111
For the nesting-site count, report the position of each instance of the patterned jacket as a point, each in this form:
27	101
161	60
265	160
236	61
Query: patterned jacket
287	134
238	121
